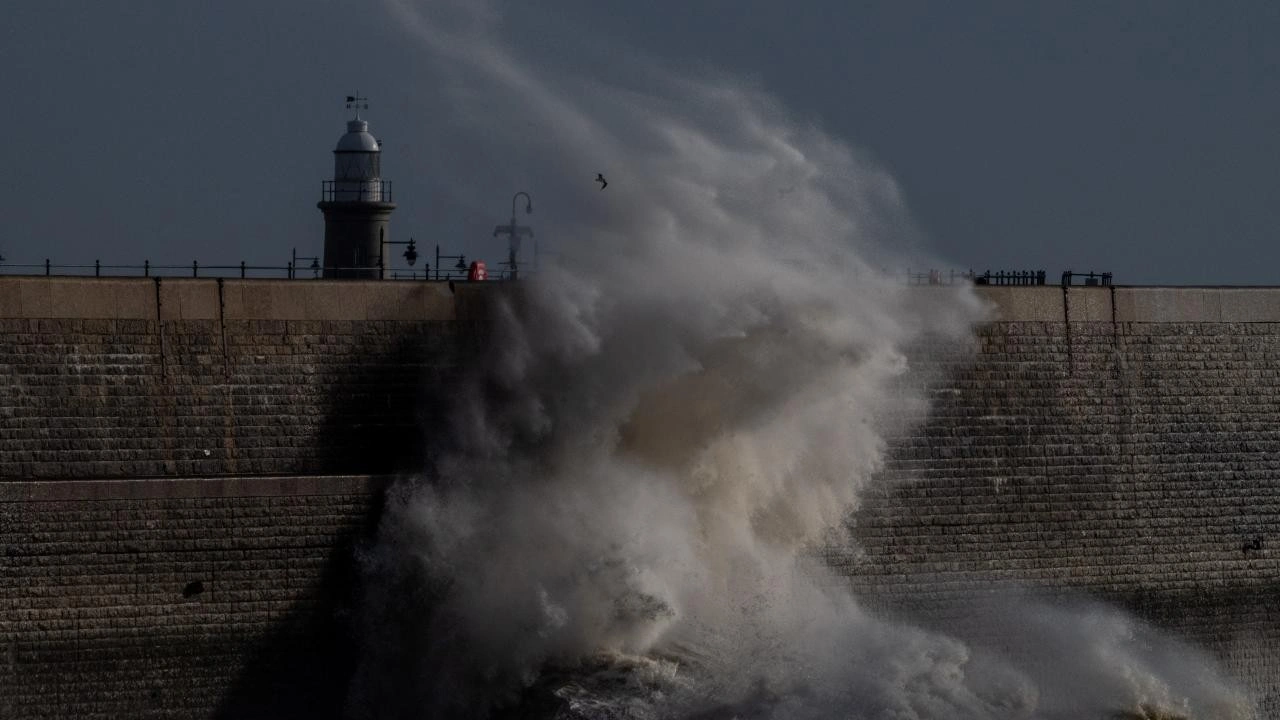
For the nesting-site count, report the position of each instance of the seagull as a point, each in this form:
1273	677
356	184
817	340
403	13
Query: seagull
600	179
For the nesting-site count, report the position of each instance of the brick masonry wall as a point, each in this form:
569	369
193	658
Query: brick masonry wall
150	378
220	585
179	598
1132	461
1117	442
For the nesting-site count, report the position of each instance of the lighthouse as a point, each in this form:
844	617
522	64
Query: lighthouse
356	203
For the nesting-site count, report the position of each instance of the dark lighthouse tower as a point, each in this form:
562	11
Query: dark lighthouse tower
356	204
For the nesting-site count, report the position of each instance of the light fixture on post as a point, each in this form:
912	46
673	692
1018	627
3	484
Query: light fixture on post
410	253
293	266
514	232
461	264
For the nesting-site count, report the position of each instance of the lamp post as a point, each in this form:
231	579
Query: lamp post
462	262
314	267
514	232
410	254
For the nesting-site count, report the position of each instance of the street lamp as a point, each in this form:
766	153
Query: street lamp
514	231
410	253
293	266
461	265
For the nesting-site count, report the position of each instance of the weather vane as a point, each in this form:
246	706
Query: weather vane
357	103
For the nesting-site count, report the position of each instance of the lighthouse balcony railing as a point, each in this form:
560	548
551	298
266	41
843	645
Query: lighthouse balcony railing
355	191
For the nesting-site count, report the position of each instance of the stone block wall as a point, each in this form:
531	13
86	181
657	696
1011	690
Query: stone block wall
177	533
176	378
1131	461
179	598
157	434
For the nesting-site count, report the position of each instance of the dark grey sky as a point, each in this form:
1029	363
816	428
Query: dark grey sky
1135	137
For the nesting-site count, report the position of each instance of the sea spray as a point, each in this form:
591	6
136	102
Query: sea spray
667	418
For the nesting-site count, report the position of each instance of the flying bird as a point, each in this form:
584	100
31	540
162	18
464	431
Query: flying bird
600	179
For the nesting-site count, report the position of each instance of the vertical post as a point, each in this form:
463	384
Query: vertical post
437	261
46	266
195	269
146	268
97	268
290	270
241	269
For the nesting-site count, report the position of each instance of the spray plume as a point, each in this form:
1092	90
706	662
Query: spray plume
667	417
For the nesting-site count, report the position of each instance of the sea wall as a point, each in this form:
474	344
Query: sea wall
187	467
128	378
1122	444
180	598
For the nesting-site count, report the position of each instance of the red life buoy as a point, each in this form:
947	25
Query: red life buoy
477	271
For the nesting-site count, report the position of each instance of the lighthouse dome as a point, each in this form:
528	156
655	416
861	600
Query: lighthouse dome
357	138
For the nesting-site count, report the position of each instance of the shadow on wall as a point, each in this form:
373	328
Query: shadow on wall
382	419
388	404
302	668
413	654
393	677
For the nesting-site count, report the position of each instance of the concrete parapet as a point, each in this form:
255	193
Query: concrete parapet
80	298
1187	304
264	299
1051	303
1086	304
1034	303
337	300
198	299
188	299
1046	303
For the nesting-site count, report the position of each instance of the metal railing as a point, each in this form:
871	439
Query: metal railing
146	269
1005	277
1089	279
461	271
953	277
287	271
355	191
432	274
938	277
1010	277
